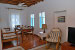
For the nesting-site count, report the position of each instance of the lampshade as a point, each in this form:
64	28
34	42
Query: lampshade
44	26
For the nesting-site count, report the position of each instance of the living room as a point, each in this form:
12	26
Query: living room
52	8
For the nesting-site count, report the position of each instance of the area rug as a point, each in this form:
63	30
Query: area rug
42	47
15	48
18	49
46	47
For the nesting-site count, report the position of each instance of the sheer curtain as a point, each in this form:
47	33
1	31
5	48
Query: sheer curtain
14	18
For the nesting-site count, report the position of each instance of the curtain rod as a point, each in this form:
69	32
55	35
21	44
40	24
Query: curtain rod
15	8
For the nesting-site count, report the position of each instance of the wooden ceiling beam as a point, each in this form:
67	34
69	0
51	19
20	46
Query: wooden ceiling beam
16	2
33	3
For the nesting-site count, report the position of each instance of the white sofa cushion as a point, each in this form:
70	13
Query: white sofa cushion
55	29
29	32
3	31
11	35
52	40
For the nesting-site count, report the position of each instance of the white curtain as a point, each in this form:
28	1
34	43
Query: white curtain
14	18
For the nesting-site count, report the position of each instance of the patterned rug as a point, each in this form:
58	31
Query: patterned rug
46	47
18	49
15	48
42	47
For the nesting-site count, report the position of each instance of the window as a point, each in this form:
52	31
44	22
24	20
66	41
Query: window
32	19
15	20
41	19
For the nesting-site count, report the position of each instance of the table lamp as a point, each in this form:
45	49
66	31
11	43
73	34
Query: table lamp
44	26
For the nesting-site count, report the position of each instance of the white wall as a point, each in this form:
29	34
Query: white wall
4	15
0	41
51	6
62	25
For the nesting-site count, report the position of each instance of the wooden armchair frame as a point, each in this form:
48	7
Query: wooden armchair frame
10	39
58	36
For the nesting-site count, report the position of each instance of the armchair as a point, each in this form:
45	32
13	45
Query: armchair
55	37
8	36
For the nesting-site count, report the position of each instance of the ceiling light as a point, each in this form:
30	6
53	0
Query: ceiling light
24	5
20	4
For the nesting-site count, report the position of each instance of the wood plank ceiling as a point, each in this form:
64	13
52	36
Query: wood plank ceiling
16	2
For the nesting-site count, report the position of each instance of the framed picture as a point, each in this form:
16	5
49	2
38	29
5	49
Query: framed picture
61	19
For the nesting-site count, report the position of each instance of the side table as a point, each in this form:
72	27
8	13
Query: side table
42	35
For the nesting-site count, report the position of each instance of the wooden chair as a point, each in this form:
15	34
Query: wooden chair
55	37
31	32
24	33
18	29
8	36
32	29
